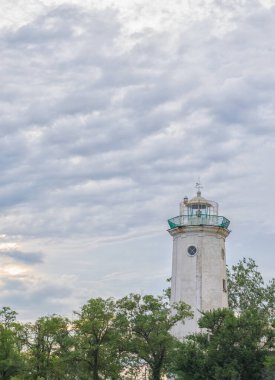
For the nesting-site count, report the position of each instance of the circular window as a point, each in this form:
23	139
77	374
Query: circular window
192	250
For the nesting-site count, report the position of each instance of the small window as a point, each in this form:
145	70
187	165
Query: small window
192	250
224	285
223	253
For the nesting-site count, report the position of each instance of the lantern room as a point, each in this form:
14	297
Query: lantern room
198	211
198	207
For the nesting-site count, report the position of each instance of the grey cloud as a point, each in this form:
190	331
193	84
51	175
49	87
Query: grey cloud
98	140
34	300
14	285
29	258
64	22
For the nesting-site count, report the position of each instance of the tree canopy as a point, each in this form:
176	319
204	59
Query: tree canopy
234	343
247	289
149	321
111	339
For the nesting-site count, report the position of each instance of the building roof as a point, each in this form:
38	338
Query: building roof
199	200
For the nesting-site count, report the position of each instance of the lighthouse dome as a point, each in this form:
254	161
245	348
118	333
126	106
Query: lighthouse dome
199	200
199	206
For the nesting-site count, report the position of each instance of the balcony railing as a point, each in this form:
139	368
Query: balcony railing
194	220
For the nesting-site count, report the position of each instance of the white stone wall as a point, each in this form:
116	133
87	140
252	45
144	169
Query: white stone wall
198	280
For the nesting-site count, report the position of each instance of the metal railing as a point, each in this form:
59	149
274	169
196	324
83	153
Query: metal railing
194	220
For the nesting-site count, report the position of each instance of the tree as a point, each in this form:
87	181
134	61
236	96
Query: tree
236	341
98	338
48	343
150	320
247	290
11	362
233	347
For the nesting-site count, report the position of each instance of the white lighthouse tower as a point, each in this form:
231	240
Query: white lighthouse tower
199	261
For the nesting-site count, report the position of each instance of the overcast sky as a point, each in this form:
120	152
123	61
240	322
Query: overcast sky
110	111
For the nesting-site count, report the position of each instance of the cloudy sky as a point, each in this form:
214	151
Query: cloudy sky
110	111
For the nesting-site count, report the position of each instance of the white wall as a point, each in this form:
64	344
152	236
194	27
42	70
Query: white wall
198	280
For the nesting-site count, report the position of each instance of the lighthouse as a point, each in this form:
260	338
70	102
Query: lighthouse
199	259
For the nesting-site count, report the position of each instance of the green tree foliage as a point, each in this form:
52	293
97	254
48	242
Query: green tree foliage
233	347
11	362
48	343
98	340
269	367
112	340
235	342
150	320
246	288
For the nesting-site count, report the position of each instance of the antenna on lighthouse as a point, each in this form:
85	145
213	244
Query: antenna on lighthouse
199	187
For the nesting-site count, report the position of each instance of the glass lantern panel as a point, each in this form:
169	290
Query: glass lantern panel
198	209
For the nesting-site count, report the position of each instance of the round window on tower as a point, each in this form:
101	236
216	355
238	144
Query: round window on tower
192	250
